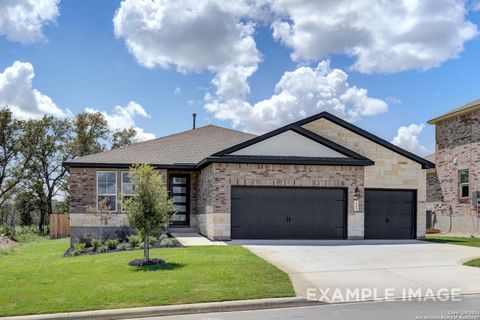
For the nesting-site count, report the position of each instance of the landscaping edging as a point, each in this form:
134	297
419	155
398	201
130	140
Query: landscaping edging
226	306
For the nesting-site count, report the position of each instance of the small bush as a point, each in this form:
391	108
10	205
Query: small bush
103	249
170	242
122	247
6	230
111	244
87	239
134	241
163	237
152	240
96	243
78	248
26	234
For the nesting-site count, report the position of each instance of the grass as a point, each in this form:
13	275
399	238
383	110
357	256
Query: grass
461	241
35	278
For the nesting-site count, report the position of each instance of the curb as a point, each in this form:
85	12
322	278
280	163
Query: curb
227	306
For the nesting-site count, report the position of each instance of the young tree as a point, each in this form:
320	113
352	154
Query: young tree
122	138
150	209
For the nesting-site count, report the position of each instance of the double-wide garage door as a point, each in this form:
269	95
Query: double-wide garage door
288	213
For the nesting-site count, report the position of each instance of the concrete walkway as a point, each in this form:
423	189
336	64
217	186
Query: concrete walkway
195	239
387	268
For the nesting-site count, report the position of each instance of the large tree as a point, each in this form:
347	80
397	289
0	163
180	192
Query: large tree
150	209
47	174
122	138
17	146
91	132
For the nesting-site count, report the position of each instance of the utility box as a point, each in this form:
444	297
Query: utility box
476	199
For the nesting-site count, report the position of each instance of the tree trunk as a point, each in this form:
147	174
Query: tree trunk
145	248
41	223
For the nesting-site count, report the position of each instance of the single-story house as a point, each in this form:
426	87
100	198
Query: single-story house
317	178
452	184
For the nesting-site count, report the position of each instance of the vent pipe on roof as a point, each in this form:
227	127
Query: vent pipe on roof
194	117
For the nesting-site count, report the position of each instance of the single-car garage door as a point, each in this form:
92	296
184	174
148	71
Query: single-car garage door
288	213
390	214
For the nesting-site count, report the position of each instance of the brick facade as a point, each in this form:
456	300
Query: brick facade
216	180
457	148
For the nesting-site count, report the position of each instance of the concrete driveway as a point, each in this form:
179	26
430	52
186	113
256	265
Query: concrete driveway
331	270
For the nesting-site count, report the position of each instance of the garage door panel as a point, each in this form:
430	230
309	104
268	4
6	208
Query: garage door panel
390	214
288	213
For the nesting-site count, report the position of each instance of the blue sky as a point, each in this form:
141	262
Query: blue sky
80	63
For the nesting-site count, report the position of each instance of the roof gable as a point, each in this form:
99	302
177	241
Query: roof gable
462	110
289	143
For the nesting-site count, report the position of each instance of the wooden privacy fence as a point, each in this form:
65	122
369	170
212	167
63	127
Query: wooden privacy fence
59	226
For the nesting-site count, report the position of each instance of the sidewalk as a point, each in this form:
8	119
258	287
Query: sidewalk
195	239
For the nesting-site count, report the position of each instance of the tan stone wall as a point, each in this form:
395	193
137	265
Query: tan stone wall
391	170
216	180
457	148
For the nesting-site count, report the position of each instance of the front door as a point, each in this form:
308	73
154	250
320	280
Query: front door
180	192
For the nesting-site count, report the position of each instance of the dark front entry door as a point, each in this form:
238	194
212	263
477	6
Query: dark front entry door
390	214
288	213
180	193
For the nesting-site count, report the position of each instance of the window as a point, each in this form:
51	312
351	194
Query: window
107	188
128	189
463	178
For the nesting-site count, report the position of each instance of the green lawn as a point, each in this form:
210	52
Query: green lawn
461	241
35	278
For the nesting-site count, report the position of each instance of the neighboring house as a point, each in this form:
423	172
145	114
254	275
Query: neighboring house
318	178
456	176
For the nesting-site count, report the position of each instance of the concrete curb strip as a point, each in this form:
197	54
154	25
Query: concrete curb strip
241	305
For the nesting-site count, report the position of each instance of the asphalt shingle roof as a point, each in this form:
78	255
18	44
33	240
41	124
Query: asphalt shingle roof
188	147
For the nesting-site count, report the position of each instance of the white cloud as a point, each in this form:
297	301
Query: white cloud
124	118
17	92
23	20
407	138
383	36
177	91
298	94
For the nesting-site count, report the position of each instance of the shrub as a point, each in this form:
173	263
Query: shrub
103	249
6	230
86	238
111	244
170	242
122	247
152	240
26	234
78	248
96	243
134	241
163	237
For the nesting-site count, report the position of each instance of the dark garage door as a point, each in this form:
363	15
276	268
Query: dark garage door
390	214
288	213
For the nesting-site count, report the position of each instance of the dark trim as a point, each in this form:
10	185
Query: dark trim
425	163
179	166
286	160
415	206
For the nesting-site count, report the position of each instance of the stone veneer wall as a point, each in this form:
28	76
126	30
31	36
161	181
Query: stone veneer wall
391	170
215	182
83	195
457	148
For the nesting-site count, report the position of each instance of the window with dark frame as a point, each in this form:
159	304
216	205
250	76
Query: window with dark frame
128	188
107	188
464	186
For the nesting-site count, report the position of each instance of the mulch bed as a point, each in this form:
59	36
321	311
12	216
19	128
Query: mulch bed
6	243
143	262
